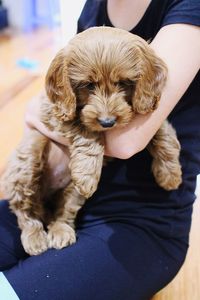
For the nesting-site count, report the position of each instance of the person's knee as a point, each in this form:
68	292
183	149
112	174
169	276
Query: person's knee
10	245
7	259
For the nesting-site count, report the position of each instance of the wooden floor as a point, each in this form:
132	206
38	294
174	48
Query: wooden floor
18	86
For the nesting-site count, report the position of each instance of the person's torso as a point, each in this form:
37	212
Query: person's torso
129	184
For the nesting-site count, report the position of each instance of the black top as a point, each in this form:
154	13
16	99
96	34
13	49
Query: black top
127	188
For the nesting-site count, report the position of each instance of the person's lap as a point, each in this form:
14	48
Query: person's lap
108	262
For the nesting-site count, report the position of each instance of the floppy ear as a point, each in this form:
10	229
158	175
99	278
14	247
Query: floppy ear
152	78
59	89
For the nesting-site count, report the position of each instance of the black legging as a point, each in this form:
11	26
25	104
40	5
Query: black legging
110	261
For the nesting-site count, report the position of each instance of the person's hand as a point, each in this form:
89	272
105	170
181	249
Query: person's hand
32	120
58	175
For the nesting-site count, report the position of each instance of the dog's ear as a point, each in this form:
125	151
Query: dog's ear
58	87
151	80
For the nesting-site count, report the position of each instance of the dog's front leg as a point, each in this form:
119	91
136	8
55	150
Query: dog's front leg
86	160
61	230
21	184
165	149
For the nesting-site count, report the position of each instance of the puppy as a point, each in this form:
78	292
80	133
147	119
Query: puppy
99	81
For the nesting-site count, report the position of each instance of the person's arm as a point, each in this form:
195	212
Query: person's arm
179	46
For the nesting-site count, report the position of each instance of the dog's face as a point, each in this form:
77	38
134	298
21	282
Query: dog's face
103	77
104	84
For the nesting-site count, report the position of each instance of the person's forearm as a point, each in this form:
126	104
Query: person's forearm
179	46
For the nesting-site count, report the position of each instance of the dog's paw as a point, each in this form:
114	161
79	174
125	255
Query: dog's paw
86	186
167	175
60	235
34	240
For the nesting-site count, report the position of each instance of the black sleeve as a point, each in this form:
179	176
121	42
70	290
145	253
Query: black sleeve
183	11
89	15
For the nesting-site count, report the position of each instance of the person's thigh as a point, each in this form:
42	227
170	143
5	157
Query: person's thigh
11	249
108	262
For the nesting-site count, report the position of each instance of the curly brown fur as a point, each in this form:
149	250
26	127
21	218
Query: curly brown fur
99	81
165	149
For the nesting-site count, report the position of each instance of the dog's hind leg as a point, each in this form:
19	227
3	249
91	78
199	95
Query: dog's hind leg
22	185
165	149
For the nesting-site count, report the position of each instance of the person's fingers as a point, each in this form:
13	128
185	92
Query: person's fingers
32	120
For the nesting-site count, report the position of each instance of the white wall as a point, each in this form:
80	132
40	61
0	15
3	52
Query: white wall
70	11
16	12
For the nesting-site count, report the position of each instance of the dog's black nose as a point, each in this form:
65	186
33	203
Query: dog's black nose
108	122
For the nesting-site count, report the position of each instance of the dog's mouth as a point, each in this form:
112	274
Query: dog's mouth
107	123
100	124
102	113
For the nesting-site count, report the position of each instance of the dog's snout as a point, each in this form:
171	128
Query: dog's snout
107	122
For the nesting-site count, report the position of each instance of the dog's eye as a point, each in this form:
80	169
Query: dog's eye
126	83
80	106
90	86
86	85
